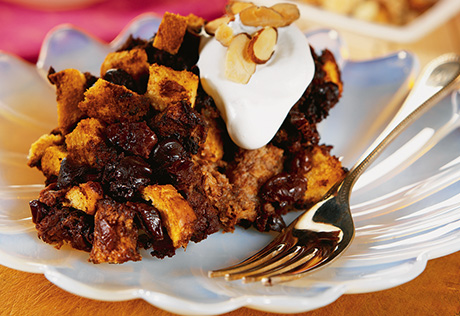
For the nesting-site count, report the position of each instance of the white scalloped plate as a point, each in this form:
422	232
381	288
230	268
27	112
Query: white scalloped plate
400	223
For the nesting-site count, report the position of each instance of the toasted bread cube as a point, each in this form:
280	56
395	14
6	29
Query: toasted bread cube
115	234
325	171
176	213
84	197
332	69
113	103
70	88
134	62
37	149
170	33
51	160
195	23
167	85
213	148
86	143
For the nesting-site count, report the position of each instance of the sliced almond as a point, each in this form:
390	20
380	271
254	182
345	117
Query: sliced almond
262	45
238	65
290	12
235	7
224	34
261	16
211	26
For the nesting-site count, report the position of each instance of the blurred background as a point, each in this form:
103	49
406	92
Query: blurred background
25	23
371	28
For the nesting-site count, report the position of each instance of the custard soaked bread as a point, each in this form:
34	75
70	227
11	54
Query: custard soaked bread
141	158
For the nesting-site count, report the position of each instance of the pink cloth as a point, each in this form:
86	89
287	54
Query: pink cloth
22	30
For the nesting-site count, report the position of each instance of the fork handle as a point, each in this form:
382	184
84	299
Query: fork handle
446	70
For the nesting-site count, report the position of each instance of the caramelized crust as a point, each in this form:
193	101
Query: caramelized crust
38	148
112	103
195	23
86	144
331	69
167	86
170	33
70	87
134	62
176	213
115	234
51	160
326	170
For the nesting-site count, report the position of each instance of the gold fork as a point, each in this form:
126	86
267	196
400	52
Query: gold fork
322	233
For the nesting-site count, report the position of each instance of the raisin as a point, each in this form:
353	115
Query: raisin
284	189
184	123
167	152
120	77
272	222
38	210
149	218
125	176
71	173
108	235
301	163
163	248
134	137
172	164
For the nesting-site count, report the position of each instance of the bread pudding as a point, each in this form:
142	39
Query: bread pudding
141	157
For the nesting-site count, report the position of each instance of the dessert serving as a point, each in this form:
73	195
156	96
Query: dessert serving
145	154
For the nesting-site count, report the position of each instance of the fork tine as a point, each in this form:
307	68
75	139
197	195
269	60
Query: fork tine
295	271
291	261
277	246
264	267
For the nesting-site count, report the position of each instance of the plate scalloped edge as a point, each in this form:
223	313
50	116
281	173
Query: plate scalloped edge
274	303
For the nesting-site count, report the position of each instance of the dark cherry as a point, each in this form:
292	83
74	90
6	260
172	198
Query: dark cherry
134	137
150	219
120	77
124	176
169	151
284	189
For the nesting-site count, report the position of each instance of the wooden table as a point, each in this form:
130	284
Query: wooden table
435	292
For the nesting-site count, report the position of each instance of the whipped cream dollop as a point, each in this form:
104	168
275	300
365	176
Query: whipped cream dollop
254	112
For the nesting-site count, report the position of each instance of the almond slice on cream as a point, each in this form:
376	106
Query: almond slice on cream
262	45
212	26
261	16
290	12
238	65
224	34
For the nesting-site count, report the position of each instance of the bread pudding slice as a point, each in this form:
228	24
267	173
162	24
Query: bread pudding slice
141	158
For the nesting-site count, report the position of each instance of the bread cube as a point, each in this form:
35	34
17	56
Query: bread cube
134	62
37	149
167	85
115	234
176	213
84	197
51	160
86	144
113	103
70	87
170	33
326	170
